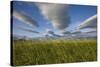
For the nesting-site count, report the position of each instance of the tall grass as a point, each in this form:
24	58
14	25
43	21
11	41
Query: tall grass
33	52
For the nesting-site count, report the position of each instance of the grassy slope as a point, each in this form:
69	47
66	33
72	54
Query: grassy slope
53	51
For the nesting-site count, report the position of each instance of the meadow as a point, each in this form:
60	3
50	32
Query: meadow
36	52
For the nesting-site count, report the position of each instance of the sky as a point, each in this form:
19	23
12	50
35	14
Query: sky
77	14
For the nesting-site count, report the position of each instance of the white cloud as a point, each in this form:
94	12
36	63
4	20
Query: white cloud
24	18
56	13
92	31
28	30
91	22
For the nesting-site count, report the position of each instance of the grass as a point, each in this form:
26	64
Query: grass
34	52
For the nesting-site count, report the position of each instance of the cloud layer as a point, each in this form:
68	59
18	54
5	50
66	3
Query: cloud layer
21	16
89	23
57	14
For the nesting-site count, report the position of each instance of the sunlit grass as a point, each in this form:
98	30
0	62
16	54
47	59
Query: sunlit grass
32	52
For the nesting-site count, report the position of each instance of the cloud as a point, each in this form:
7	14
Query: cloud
57	14
66	32
76	32
24	18
28	30
91	22
50	32
94	31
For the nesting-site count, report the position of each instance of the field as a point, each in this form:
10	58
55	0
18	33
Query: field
36	52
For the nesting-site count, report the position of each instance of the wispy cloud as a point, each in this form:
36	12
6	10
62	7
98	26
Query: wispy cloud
24	18
57	14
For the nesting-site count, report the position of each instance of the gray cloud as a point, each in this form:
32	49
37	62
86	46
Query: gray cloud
24	18
76	32
57	14
66	32
91	22
50	32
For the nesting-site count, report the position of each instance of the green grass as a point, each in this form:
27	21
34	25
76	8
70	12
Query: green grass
53	51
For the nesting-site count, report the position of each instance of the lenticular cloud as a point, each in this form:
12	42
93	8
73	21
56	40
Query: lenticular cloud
24	18
57	14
